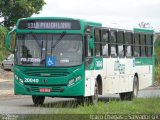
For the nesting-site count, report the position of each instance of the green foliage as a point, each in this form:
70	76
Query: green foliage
12	10
157	48
157	73
137	106
3	51
157	57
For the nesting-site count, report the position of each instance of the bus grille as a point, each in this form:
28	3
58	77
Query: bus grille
47	73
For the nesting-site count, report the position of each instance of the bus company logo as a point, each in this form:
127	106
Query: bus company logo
119	67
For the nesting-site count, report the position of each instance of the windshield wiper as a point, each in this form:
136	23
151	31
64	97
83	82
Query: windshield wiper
58	40
35	37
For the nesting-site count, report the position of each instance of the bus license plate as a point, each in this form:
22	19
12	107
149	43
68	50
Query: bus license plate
45	90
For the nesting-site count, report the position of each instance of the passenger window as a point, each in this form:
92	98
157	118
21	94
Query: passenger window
105	41
97	44
142	39
136	45
148	45
128	44
120	38
113	43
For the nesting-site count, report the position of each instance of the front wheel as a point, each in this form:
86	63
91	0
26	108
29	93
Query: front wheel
38	100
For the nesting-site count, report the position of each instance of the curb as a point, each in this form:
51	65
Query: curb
154	87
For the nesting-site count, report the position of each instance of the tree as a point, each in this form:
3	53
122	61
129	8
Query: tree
12	10
145	25
3	51
157	47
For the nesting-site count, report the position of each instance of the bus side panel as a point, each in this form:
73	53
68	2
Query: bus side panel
145	71
119	75
89	82
92	75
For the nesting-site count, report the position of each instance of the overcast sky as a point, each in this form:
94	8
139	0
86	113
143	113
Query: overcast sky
125	13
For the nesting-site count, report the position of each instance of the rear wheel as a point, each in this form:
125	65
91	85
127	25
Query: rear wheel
133	94
38	100
126	96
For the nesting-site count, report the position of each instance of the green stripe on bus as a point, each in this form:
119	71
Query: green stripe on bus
144	61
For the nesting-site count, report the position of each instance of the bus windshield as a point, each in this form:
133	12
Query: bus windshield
48	50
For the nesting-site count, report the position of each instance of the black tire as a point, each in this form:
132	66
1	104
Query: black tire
94	99
81	100
126	96
133	94
38	100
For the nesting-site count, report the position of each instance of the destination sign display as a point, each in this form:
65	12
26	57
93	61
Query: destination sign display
49	24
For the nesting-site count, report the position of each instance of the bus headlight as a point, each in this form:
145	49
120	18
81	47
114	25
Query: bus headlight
78	78
18	79
72	81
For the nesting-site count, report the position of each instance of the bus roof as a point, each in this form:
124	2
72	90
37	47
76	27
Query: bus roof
143	30
47	18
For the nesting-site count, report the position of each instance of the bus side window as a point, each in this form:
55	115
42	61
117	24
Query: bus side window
97	43
88	52
113	43
105	41
128	44
149	45
120	42
142	43
136	45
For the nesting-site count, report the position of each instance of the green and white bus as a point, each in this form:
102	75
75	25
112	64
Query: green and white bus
65	57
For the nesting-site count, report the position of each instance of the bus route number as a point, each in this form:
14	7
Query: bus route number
31	80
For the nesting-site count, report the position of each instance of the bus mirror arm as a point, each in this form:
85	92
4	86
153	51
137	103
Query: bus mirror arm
8	41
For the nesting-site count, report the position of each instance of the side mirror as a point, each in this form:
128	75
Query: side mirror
91	43
10	44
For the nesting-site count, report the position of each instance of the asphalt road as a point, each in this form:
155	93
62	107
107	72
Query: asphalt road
24	104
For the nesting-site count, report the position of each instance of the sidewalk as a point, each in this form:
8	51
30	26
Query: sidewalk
6	88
